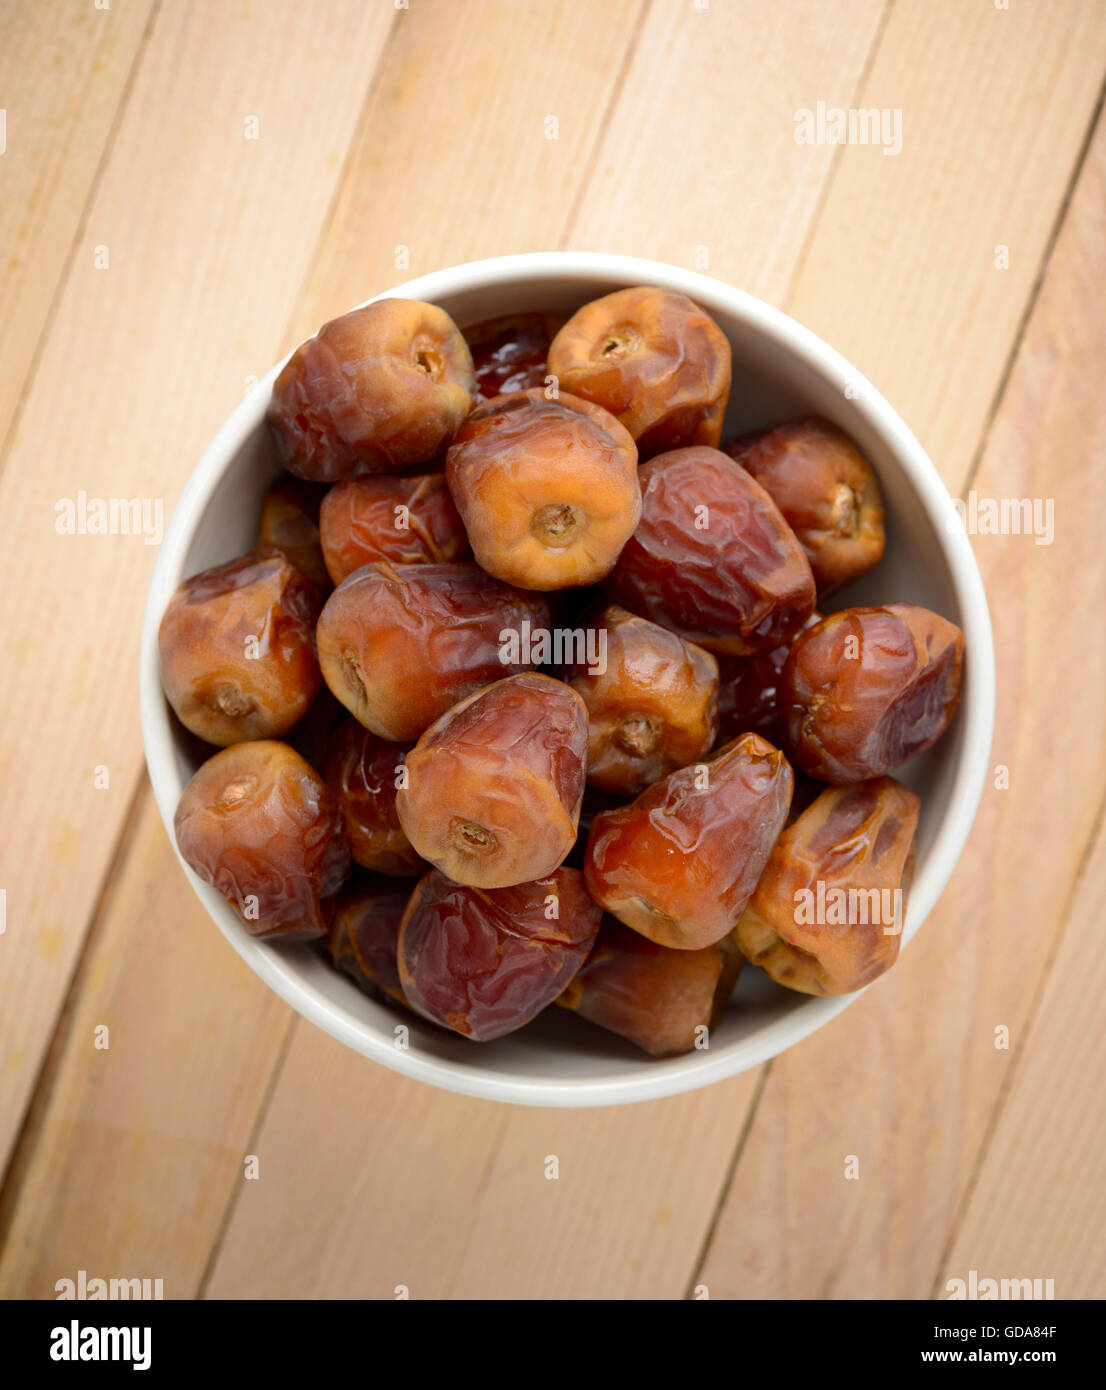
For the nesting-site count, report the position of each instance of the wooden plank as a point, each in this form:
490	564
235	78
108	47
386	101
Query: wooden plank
377	1175
460	134
143	1139
451	1198
629	1211
909	1078
1038	1208
207	234
698	163
63	74
901	275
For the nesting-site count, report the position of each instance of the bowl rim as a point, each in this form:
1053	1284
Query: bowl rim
645	1079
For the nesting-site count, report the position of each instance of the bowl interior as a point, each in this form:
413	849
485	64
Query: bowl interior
779	371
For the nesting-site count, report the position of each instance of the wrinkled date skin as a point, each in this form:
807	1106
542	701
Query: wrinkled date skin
659	999
548	490
363	773
290	523
748	692
679	864
258	823
712	557
486	961
494	788
827	492
364	938
375	391
868	688
509	353
408	521
237	649
652	358
399	645
827	914
652	710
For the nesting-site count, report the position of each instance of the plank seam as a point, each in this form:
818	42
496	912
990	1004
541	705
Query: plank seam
251	1147
727	1183
1021	1050
41	1094
1034	292
343	174
78	234
835	160
604	123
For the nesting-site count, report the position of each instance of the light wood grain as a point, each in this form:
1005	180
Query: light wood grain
451	1197
203	226
1039	1206
454	160
145	1139
901	273
698	163
909	1078
63	74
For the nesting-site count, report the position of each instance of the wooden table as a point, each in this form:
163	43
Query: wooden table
188	190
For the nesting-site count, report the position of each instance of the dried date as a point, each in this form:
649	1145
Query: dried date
484	962
678	864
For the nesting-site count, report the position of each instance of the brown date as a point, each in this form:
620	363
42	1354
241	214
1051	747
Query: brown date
363	773
663	1001
712	557
652	358
868	688
400	644
494	788
364	937
651	710
678	864
258	823
827	492
827	914
547	489
290	522
407	520
509	353
377	390
486	961
237	648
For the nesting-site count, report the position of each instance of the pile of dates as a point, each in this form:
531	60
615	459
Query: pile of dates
523	696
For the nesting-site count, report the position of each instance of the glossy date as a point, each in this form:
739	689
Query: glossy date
712	558
867	688
494	787
678	864
652	358
258	823
237	648
828	912
400	644
486	961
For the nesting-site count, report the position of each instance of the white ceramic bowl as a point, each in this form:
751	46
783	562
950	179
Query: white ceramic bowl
780	370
